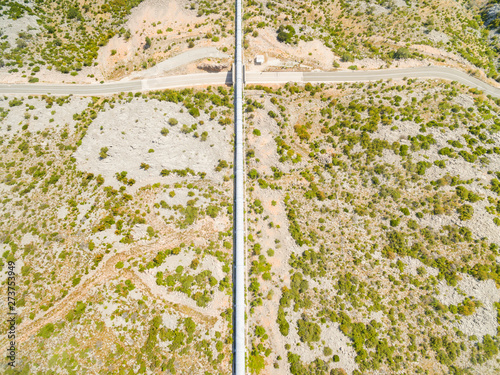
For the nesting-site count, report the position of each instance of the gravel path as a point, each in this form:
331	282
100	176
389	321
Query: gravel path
177	61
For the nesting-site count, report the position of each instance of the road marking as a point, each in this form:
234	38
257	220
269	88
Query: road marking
201	79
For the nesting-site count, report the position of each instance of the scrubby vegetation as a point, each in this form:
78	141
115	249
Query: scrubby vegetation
69	36
85	245
387	30
380	208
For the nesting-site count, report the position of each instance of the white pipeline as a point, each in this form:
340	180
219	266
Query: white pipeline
239	270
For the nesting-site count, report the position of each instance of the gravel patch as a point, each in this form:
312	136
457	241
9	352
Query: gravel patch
130	131
437	36
11	28
40	118
412	264
484	320
184	259
332	337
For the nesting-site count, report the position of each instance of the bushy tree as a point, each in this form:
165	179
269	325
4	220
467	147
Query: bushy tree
402	53
308	331
286	33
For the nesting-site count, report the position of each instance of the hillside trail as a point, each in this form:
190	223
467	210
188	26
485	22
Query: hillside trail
104	272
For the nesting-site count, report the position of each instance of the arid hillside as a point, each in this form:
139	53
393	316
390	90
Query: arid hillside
373	217
354	34
92	41
120	236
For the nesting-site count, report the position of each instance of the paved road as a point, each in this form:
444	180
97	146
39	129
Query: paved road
204	79
187	80
372	75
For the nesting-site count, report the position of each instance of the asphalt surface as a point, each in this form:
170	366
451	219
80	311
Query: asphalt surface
188	80
204	79
435	72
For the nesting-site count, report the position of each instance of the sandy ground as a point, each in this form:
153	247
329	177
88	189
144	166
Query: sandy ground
213	309
266	315
333	338
139	123
28	24
11	28
315	56
314	53
53	119
184	259
481	223
169	52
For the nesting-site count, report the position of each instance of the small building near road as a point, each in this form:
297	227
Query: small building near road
259	59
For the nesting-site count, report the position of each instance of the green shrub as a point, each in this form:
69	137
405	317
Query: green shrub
260	331
256	362
73	13
465	212
422	166
195	112
467	195
468	307
213	211
103	154
440	163
47	331
286	34
402	53
253	174
308	331
347	57
222	164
